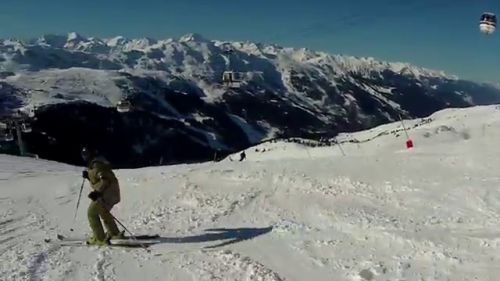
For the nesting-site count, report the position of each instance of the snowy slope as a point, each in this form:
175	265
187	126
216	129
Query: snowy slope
379	213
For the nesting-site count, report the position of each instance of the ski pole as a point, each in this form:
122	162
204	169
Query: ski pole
79	197
78	203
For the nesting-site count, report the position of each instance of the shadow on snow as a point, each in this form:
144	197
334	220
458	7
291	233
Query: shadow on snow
225	236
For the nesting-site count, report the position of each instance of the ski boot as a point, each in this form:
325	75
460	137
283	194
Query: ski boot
119	235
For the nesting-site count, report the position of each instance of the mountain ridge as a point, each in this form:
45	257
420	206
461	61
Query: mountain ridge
176	87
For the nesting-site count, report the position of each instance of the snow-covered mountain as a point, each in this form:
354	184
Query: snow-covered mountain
289	213
182	110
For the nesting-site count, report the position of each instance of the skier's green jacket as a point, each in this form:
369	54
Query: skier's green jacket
103	180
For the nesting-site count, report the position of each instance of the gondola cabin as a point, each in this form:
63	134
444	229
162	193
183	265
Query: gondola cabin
488	23
124	106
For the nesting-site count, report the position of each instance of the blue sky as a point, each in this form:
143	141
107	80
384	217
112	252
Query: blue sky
438	34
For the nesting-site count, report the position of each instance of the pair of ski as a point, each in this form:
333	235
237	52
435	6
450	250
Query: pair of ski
141	241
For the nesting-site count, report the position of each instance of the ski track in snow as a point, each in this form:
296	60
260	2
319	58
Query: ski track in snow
380	213
218	265
103	270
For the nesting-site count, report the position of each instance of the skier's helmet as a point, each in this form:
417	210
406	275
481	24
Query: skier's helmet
88	153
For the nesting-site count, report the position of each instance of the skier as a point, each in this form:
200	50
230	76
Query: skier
105	194
242	156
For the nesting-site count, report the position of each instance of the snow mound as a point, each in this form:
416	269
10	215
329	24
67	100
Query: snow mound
438	130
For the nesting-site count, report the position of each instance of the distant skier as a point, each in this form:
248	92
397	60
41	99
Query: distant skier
243	156
105	194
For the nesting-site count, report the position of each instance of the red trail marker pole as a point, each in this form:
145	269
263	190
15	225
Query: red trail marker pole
409	142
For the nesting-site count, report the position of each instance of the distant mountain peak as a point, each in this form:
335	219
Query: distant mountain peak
193	37
53	40
74	36
117	41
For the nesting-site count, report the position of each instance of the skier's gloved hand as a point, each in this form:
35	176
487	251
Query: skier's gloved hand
94	195
85	174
